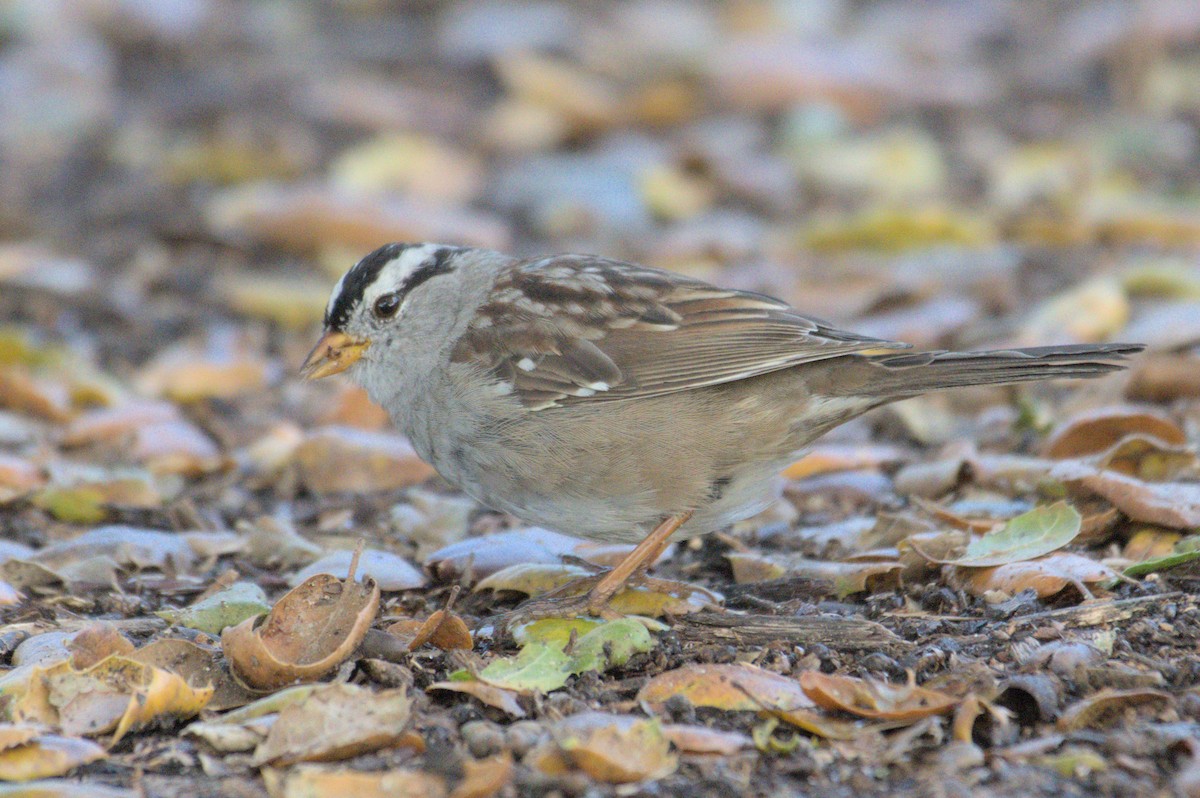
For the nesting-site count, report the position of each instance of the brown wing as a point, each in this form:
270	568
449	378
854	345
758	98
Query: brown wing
575	328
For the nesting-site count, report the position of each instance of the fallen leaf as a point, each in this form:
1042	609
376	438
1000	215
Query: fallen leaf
290	301
537	667
534	579
1109	707
1047	576
94	642
189	373
62	788
1171	504
543	665
22	392
442	629
615	749
481	557
276	544
483	778
845	578
18	477
390	571
1091	311
311	781
15	735
1074	762
498	697
116	694
1029	535
872	699
831	457
1162	563
693	739
336	721
154	434
743	688
305	218
46	756
308	633
349	460
1148	542
199	666
1095	432
227	607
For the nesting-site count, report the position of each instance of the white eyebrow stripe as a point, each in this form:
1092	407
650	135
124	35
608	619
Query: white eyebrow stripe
398	270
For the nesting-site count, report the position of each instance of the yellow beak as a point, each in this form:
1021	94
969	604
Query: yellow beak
334	353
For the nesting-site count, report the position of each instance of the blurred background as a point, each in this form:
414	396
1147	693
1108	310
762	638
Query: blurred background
183	180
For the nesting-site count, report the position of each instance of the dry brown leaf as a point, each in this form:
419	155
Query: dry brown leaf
154	434
442	629
969	714
313	781
822	725
336	721
876	700
845	578
14	735
498	697
116	694
95	642
1148	543
46	756
308	218
743	688
1146	457
190	374
1170	504
23	393
615	749
1109	707
1097	431
1047	576
1164	377
693	739
351	407
349	460
198	666
18	477
831	457
483	778
308	633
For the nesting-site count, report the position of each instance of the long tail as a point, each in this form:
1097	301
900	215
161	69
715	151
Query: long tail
916	373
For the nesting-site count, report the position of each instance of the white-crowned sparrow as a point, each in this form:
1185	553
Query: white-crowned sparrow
615	401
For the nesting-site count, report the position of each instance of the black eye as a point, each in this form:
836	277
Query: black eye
387	305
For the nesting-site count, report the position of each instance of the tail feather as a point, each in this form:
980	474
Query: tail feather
918	372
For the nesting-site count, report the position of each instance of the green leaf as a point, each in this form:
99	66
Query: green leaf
1026	537
228	607
610	645
537	666
1163	563
554	631
543	664
74	505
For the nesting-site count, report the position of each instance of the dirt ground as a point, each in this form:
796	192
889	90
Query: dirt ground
988	592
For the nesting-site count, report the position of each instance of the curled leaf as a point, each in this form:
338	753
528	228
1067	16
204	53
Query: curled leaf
871	699
308	633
